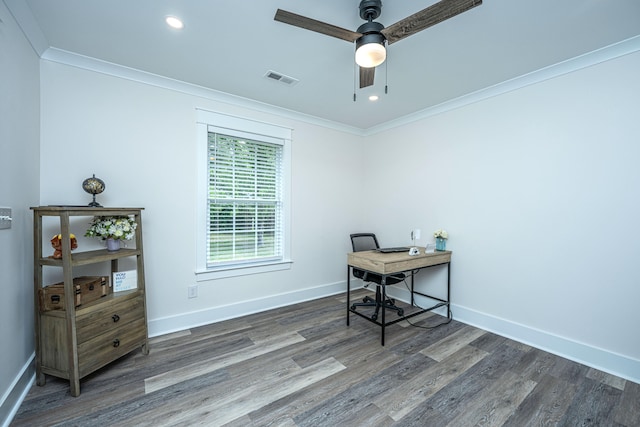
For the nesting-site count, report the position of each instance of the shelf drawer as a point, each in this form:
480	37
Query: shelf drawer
107	347
109	317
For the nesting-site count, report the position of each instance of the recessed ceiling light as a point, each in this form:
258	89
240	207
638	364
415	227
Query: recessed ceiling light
174	22
373	98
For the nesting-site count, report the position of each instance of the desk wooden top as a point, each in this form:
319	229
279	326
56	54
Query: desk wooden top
390	263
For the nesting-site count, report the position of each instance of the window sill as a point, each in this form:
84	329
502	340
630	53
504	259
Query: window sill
225	272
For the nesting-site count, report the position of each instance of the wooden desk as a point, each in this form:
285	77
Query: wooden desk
393	263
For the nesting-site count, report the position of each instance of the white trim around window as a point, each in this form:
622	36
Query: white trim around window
208	121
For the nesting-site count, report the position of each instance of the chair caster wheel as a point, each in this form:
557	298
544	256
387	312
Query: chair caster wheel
353	307
400	313
374	317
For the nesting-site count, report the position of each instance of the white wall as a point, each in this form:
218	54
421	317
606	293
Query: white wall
19	176
140	139
538	189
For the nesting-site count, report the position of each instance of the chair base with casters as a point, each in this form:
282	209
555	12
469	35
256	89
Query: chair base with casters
377	302
376	279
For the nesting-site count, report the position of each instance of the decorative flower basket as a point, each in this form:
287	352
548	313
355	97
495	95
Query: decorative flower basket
113	229
441	239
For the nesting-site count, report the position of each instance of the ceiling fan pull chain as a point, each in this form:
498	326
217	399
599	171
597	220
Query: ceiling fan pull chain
386	75
355	67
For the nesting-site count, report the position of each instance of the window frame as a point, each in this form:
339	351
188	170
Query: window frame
209	121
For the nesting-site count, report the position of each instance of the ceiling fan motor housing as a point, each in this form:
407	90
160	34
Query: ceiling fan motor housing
370	34
370	9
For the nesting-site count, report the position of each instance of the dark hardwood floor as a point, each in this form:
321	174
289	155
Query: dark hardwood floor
302	366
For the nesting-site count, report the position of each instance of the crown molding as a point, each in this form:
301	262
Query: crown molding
23	16
595	57
99	66
605	54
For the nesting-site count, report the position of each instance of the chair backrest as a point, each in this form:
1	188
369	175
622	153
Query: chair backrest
364	242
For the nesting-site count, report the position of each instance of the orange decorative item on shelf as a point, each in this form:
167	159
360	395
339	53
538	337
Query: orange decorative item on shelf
56	242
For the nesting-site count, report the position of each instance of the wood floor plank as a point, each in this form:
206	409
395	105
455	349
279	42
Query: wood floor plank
339	406
169	337
628	411
370	415
453	399
452	343
535	364
496	404
545	405
592	405
606	378
411	393
418	339
178	375
236	405
371	359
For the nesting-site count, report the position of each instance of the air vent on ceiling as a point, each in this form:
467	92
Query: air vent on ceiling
281	78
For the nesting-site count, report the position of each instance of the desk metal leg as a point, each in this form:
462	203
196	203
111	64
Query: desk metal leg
383	283
413	301
448	290
348	291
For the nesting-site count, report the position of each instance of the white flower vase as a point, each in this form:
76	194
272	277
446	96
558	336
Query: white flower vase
441	244
113	245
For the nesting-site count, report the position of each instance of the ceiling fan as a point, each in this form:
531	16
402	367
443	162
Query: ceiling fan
371	37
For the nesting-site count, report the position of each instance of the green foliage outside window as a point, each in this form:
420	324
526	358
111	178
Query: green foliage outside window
244	200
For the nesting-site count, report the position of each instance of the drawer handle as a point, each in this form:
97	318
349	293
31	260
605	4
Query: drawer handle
115	318
116	343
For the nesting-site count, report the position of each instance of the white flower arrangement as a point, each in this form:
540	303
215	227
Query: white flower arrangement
441	234
112	227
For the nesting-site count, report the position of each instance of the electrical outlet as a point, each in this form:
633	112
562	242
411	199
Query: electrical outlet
416	234
192	291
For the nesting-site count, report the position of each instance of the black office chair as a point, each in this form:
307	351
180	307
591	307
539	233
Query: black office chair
367	242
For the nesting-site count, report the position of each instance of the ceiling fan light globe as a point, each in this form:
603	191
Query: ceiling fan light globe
370	55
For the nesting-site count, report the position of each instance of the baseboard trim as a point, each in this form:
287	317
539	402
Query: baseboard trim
16	393
594	357
194	319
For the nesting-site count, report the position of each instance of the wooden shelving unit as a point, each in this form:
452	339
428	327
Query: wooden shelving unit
76	341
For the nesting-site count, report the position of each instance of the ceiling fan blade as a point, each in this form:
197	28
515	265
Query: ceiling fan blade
426	18
366	76
317	26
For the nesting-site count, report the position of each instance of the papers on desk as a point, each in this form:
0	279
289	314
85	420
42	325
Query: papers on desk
431	247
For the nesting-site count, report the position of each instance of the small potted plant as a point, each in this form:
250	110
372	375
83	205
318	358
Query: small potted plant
441	239
113	229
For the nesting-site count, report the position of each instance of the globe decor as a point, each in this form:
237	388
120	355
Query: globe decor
441	239
113	229
93	186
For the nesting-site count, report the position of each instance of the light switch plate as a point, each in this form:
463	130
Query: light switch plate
5	218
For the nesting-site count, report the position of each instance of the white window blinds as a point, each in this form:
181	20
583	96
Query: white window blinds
245	205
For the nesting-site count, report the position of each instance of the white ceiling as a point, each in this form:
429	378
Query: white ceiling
229	45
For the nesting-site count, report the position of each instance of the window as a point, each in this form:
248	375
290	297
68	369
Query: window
245	200
244	197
